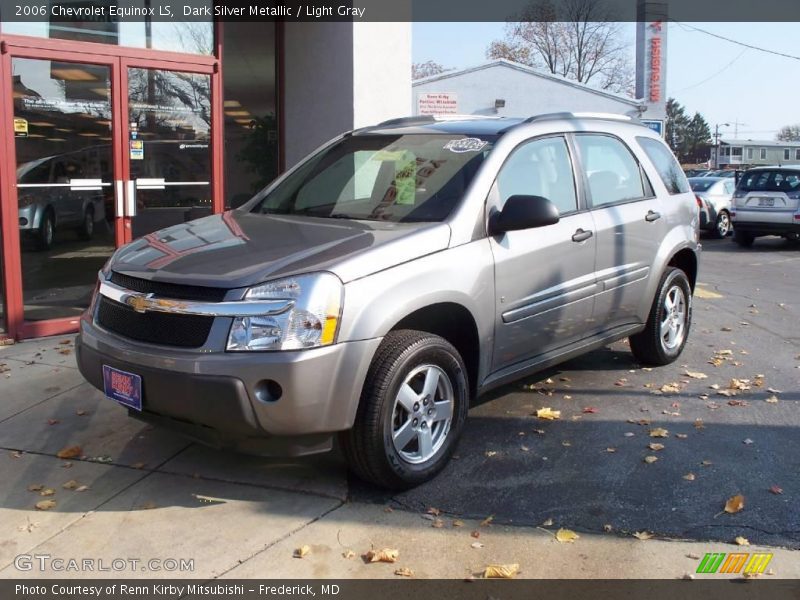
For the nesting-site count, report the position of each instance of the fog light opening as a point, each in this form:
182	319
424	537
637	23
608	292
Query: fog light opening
268	390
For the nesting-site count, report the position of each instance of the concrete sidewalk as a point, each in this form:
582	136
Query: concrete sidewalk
133	492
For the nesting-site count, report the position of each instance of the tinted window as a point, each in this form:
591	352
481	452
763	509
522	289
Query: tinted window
700	184
540	168
770	181
398	178
611	169
668	168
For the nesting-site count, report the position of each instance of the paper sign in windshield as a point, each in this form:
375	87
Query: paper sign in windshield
465	145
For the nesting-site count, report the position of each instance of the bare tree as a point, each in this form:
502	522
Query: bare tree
789	133
427	69
576	39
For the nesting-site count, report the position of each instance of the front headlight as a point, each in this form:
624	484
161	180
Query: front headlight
311	318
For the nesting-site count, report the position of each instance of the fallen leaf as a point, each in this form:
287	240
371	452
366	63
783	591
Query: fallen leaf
566	443
670	388
35	487
458	523
706	463
404	572
491	453
629	434
681	436
566	536
693	556
45	504
689	477
547	523
53	421
547	414
656	447
698	424
501	571
71	485
747	441
475	534
650	459
388	509
71	452
65	342
149	505
434	511
487	521
659	432
742	541
388	555
476	545
81	413
738	403
590	410
734	504
437	524
65	351
608	528
82	488
611	450
643	535
688	576
524	448
772	400
695	375
773	391
47	492
776	490
301	552
348	554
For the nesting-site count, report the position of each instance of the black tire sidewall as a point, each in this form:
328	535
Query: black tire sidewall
435	351
672	277
717	233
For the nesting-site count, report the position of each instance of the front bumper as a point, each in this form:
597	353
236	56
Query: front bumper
767	228
219	398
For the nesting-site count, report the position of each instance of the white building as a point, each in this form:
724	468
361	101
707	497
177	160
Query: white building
505	88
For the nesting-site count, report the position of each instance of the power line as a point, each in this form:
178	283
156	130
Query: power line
723	69
737	42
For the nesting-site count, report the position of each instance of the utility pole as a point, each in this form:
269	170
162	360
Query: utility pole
716	142
736	124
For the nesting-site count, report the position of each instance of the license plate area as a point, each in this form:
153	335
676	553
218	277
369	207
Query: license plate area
123	387
768	202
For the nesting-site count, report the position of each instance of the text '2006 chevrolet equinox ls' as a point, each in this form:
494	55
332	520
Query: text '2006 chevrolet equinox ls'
395	273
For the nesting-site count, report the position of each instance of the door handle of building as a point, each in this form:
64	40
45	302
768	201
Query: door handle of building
119	197
652	216
130	198
581	235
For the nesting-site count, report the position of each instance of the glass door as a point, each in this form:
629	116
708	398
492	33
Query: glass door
64	163
168	147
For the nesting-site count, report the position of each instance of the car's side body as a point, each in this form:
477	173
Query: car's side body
716	195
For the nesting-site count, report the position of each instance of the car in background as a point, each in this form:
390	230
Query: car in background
719	173
695	172
714	195
766	202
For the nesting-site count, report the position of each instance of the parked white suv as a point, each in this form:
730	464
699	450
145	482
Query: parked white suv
766	202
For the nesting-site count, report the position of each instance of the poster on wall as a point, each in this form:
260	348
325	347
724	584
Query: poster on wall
438	103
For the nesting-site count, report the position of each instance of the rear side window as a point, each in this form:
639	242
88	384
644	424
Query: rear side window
611	170
770	181
668	168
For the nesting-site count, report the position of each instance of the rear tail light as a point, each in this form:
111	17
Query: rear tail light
699	201
733	213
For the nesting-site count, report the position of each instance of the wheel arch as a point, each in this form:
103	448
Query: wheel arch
686	260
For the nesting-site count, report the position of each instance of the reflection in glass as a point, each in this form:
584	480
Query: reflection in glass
170	119
62	128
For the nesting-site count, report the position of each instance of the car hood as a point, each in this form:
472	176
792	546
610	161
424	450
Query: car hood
239	249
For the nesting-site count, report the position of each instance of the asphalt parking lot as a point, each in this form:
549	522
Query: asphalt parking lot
727	408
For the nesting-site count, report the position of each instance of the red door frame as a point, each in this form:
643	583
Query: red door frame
118	59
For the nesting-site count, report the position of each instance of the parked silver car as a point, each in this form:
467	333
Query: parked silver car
393	275
714	195
767	202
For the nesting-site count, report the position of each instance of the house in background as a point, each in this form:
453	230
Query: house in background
740	154
506	88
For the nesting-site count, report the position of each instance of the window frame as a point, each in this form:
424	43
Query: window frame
797	153
762	154
787	154
494	192
750	153
647	187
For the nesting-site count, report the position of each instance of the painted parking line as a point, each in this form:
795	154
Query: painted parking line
702	292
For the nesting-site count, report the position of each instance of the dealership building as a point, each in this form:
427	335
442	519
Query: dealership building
121	128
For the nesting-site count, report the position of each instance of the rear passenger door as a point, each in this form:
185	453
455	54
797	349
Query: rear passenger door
544	277
629	226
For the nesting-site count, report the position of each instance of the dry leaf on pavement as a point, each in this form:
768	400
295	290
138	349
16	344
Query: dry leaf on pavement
476	545
643	535
590	410
548	414
47	492
348	554
404	572
437	524
501	571
566	536
71	485
734	504
670	388
458	523
388	555
689	477
35	487
659	432
434	511
695	375
650	459
71	452
301	551
742	541
655	447
45	504
772	399
776	490
487	521
547	523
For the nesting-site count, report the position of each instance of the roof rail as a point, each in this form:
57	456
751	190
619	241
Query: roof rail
433	119
578	115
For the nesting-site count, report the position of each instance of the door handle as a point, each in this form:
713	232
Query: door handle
652	216
581	235
130	199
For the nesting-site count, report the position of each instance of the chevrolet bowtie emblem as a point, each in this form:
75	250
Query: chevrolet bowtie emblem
139	303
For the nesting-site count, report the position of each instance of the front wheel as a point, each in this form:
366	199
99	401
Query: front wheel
667	329
411	413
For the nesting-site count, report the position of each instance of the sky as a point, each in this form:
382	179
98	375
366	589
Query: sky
724	82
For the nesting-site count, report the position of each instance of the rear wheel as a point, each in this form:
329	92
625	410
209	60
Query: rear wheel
86	230
722	227
411	413
745	240
667	328
47	231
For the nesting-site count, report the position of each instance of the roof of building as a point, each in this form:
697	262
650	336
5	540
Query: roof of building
510	64
770	143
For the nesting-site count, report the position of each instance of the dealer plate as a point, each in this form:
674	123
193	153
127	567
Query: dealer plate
123	387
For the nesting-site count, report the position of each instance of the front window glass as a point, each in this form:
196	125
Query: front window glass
611	169
397	178
770	181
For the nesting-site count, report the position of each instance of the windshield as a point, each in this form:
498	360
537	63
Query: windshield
396	178
700	184
770	181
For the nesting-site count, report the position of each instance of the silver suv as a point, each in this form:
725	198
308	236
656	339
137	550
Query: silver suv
393	275
767	202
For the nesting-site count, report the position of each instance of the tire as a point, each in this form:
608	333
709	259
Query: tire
664	337
722	226
86	230
395	442
745	240
47	231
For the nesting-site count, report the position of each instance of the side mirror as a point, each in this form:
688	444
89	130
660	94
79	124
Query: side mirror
523	212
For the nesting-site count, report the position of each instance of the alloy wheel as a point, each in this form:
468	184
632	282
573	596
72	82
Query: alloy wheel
673	322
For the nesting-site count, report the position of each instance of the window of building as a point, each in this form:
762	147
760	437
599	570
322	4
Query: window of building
797	154
749	153
787	153
612	171
763	154
736	152
668	168
540	168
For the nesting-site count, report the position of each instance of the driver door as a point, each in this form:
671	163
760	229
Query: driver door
544	277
